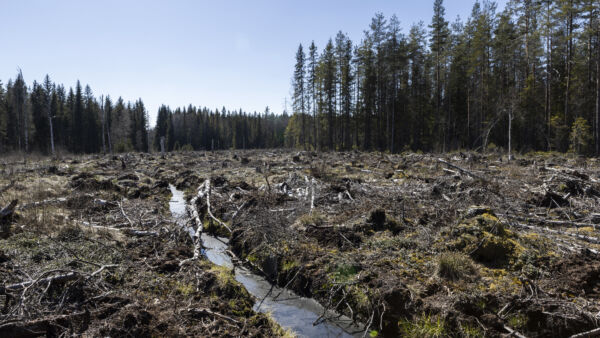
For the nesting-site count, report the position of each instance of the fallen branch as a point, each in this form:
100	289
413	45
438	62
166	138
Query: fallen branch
42	203
125	215
555	222
513	332
65	277
593	240
20	286
127	231
591	333
205	311
464	171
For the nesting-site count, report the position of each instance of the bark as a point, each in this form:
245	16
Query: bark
598	93
103	124
50	123
569	57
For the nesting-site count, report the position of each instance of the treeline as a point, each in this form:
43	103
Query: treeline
47	117
194	128
527	77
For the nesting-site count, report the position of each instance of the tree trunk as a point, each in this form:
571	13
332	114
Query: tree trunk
26	126
569	55
51	132
598	93
548	75
510	118
103	124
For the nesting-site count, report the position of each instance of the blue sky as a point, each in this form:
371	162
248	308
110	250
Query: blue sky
238	54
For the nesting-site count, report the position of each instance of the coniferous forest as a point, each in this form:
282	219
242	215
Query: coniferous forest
45	118
526	77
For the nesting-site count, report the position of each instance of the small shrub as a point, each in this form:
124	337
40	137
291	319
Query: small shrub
580	136
455	266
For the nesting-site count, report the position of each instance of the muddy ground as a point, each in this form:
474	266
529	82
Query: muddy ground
461	245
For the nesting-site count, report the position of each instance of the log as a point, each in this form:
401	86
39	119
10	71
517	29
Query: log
193	211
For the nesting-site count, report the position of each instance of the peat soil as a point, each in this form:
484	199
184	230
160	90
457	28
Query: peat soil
461	244
92	250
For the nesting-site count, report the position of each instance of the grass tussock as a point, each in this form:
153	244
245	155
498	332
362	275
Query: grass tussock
423	326
455	266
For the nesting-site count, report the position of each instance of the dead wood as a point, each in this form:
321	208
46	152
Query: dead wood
42	203
513	332
38	327
464	171
205	311
591	333
63	277
20	286
589	239
192	208
208	208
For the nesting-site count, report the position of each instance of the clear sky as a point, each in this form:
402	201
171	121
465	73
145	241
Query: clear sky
233	53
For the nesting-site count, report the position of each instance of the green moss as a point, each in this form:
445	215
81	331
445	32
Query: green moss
485	239
289	265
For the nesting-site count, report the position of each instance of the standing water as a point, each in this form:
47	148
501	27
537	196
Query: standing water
288	309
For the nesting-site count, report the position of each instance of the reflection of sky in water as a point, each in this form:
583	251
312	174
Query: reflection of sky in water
289	310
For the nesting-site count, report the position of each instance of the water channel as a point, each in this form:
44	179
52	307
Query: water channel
288	309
